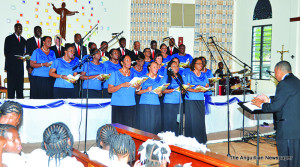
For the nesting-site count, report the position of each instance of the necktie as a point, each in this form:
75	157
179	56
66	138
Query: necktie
38	43
102	54
170	50
59	51
123	52
78	48
153	54
19	39
136	53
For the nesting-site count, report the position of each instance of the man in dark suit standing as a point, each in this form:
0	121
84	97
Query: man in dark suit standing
122	48
78	49
171	50
31	44
104	48
15	45
57	48
136	51
153	48
286	106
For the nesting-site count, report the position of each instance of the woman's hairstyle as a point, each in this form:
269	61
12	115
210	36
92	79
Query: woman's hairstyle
149	65
163	44
152	153
175	58
194	62
45	37
122	144
170	73
68	45
111	51
4	129
105	134
181	45
140	56
122	59
12	107
55	141
158	55
202	57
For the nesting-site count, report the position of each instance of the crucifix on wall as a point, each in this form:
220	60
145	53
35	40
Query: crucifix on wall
282	52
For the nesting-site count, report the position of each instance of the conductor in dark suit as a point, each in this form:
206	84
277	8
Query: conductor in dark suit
122	48
14	45
286	106
31	44
57	48
171	50
136	51
78	49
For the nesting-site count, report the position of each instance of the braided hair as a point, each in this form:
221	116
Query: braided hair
153	153
55	141
122	144
169	73
104	134
4	129
12	107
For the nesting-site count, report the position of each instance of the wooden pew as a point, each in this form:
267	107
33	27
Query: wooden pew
85	160
180	155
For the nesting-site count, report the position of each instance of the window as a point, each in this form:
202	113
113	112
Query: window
263	10
261	51
182	15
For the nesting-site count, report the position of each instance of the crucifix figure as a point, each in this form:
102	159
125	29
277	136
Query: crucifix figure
63	12
282	52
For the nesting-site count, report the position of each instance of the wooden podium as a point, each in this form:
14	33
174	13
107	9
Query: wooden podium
180	155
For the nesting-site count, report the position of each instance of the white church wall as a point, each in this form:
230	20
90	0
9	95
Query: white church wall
112	18
188	37
283	33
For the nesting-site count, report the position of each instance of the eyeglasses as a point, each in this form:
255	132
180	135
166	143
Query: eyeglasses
198	63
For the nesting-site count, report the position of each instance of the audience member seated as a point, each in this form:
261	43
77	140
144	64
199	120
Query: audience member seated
123	147
56	149
153	153
10	147
11	113
103	140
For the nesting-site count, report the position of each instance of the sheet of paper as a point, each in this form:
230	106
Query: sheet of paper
251	106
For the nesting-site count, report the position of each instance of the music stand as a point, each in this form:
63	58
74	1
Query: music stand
258	112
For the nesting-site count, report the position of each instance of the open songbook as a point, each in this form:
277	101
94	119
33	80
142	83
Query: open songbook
199	87
251	106
214	79
138	80
73	78
104	76
26	57
185	86
161	88
182	64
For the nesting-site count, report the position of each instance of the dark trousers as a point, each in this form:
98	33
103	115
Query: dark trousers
170	117
150	118
125	115
15	84
64	93
288	150
106	94
96	94
42	87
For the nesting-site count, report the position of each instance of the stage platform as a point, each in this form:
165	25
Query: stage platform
39	114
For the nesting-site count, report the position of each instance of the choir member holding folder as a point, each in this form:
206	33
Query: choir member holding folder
93	71
41	60
62	70
194	102
123	94
149	107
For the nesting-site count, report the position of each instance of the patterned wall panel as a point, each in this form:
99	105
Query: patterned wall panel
150	20
214	18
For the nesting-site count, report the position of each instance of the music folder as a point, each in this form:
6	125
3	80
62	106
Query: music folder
252	109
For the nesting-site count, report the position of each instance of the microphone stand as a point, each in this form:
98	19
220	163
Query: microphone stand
180	128
244	91
87	59
211	55
227	94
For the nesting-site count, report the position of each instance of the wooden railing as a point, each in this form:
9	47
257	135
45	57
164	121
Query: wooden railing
84	159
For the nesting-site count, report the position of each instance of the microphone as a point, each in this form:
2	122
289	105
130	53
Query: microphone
269	72
166	38
114	33
171	71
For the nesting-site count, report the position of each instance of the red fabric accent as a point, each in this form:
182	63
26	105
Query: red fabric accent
19	39
78	49
136	53
59	52
123	53
170	50
153	54
102	54
38	43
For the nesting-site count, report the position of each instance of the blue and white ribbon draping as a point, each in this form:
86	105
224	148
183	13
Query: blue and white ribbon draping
208	102
63	102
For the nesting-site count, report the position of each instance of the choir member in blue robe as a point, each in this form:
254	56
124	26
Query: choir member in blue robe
41	60
91	76
182	56
148	58
208	73
111	66
172	99
149	107
166	58
123	94
194	103
60	69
